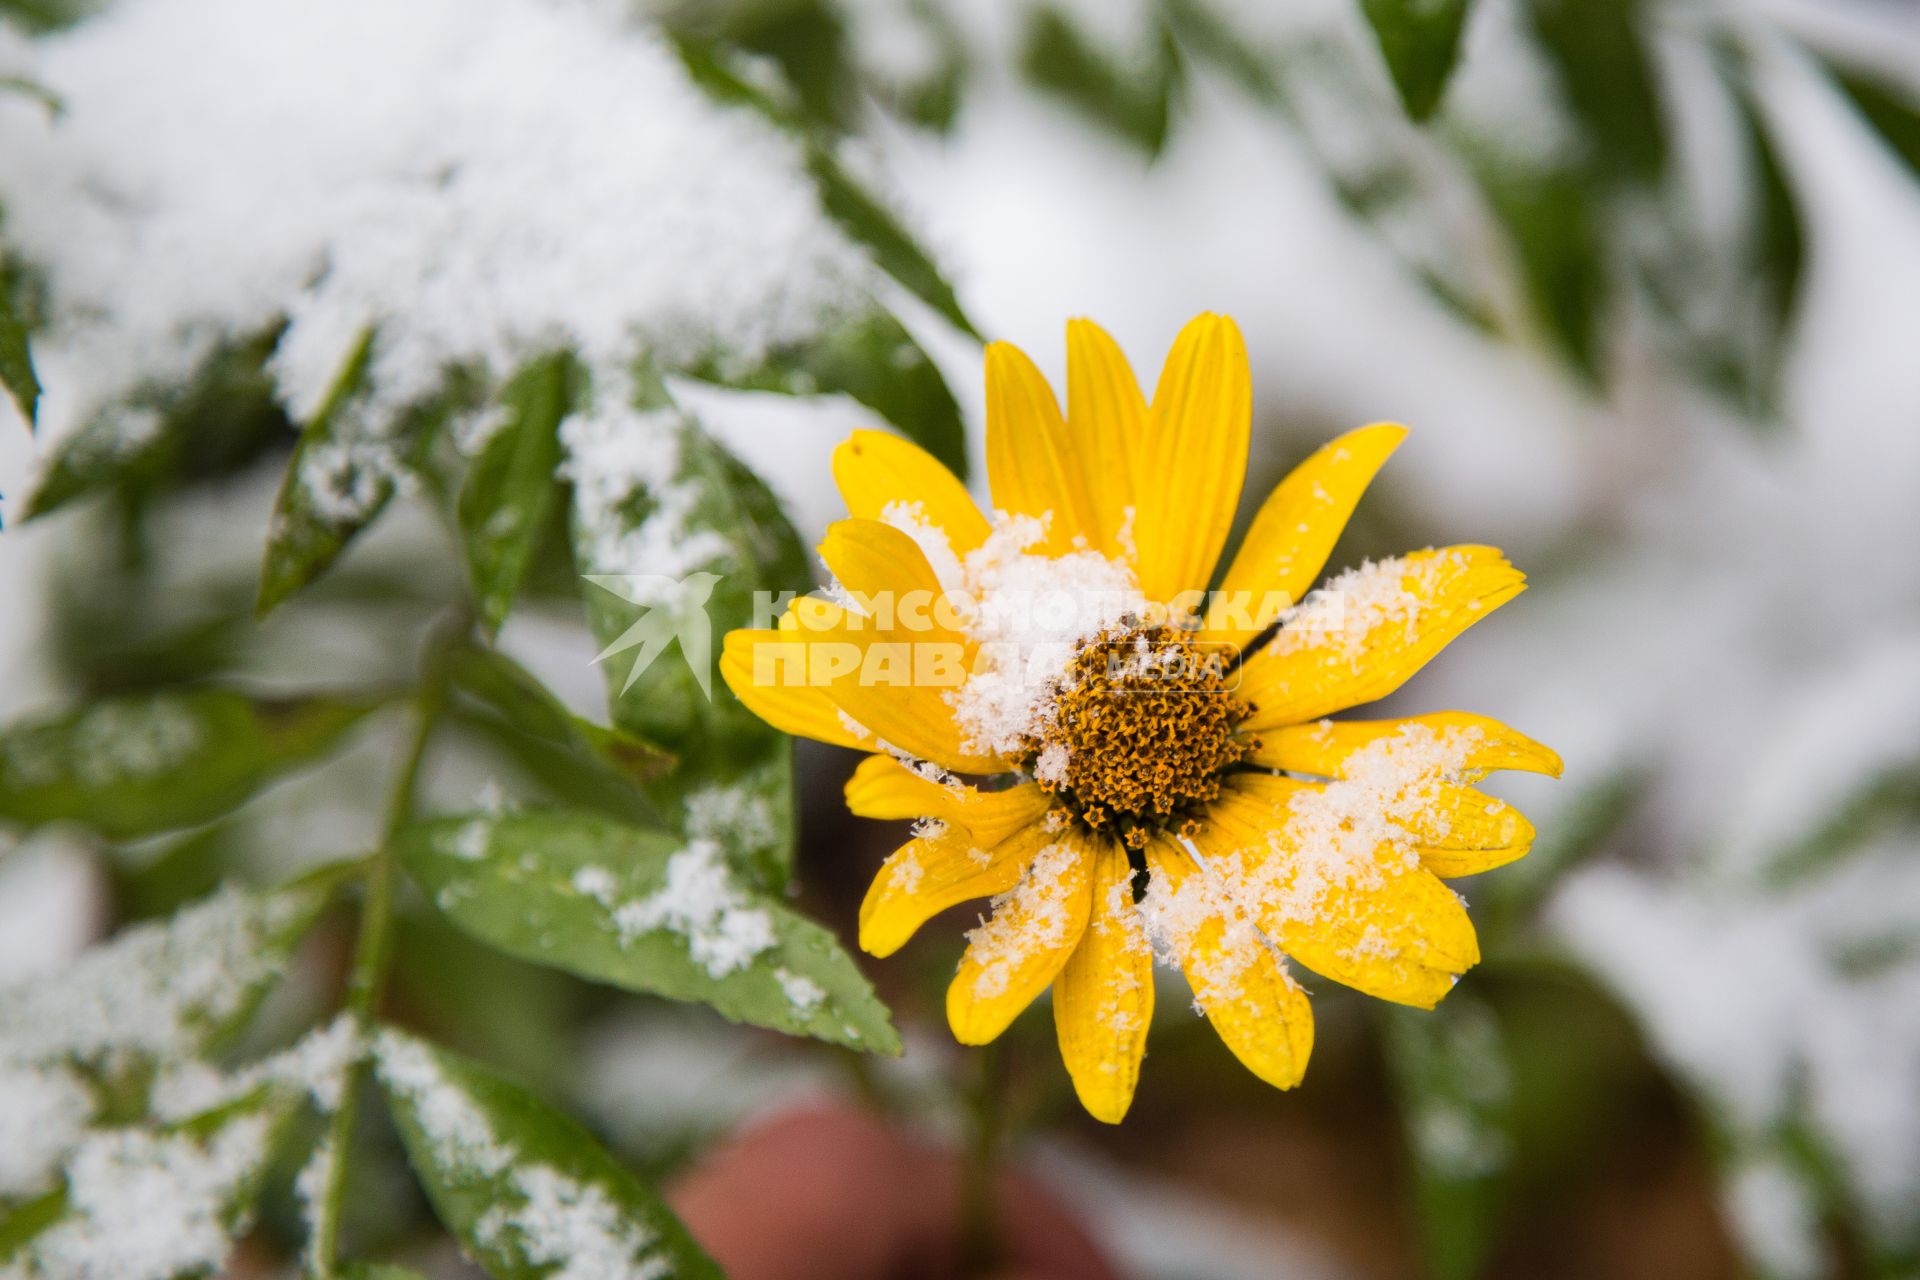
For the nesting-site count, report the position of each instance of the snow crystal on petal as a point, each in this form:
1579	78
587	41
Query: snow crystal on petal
1343	616
1029	613
1031	918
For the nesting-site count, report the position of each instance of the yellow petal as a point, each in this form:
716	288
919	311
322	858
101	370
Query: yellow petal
1032	468
1023	945
890	684
925	876
1194	458
889	578
1370	917
1106	426
1103	999
880	474
803	710
1242	986
884	788
1322	746
1295	531
1366	633
1462	831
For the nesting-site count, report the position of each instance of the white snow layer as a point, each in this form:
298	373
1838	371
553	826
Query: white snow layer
483	180
546	1218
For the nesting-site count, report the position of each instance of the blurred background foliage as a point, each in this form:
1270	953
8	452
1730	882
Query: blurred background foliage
1613	200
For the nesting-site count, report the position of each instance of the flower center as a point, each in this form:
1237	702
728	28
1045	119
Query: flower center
1139	733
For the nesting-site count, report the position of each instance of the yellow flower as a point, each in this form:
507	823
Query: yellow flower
1156	772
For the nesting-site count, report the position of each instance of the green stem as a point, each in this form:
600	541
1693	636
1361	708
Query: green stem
372	952
980	1243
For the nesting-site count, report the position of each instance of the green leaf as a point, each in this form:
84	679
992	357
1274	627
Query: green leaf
1889	109
28	1219
845	200
345	469
1778	234
662	633
377	1271
1883	801
184	986
877	362
1608	82
512	485
137	766
1743	360
222	420
1208	37
1134	102
211	1166
526	1190
641	910
862	216
1556	235
16	359
44	15
579	761
662	636
1455	1087
1420	40
518	697
329	492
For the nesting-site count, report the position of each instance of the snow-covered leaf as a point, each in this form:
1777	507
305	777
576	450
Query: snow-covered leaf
675	535
740	799
858	212
348	465
529	1193
642	910
167	989
406	211
680	542
221	419
1455	1090
1420	40
16	360
1760	1001
511	487
138	765
877	362
150	1202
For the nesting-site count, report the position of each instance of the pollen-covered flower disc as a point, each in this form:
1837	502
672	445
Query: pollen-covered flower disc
1126	765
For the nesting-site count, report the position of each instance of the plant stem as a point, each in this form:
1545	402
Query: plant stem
372	952
986	1128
